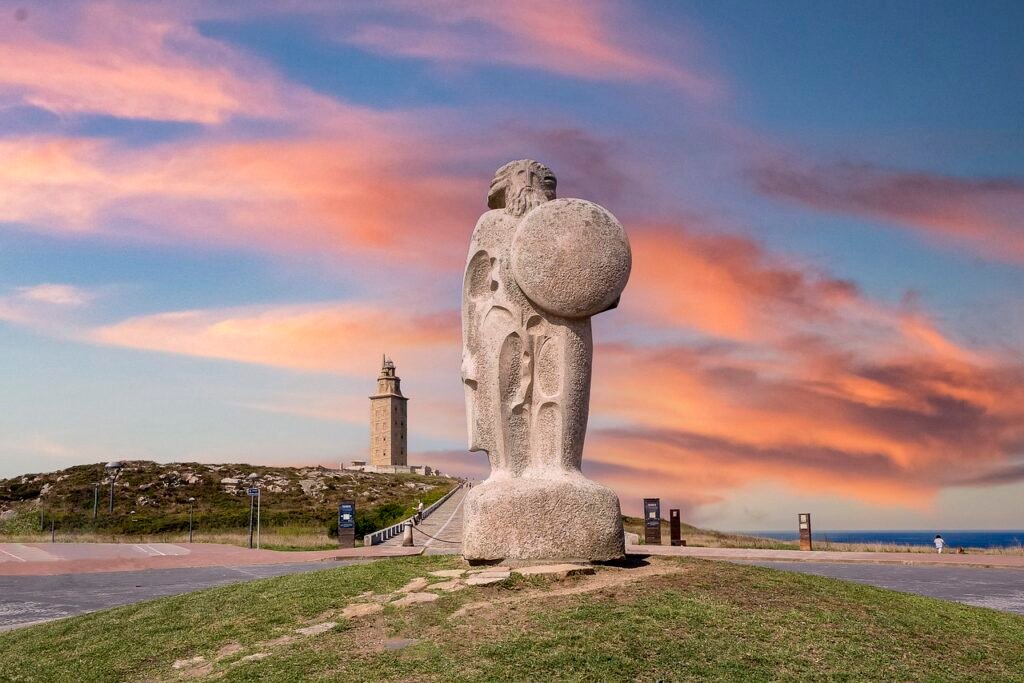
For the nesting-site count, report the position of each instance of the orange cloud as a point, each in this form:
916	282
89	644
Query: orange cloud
347	189
984	214
339	338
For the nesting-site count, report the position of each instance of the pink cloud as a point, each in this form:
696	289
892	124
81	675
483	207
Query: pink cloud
589	40
982	214
130	61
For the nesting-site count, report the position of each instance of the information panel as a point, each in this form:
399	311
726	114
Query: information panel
652	521
675	526
804	521
347	524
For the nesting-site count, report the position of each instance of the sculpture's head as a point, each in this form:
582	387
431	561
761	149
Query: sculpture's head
521	185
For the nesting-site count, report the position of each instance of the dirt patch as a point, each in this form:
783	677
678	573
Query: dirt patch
228	650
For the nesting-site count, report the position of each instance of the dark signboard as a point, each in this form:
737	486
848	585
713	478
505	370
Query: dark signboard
804	522
674	525
652	521
347	524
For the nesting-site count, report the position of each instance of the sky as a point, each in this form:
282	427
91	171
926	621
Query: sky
215	218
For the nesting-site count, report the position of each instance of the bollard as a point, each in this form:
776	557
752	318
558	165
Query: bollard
407	536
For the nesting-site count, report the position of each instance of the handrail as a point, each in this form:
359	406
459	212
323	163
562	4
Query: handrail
381	535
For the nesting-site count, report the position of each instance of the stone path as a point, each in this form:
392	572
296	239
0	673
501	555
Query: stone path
445	523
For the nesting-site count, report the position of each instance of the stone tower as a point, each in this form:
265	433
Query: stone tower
388	443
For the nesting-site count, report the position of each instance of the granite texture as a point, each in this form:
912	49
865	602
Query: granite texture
537	269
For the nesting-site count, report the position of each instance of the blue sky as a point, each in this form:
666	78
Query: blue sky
215	218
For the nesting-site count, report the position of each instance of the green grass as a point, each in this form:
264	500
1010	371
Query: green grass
703	621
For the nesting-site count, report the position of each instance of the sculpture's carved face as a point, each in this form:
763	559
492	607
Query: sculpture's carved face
519	186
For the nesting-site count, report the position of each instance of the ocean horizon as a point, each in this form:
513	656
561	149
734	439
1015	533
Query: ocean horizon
972	538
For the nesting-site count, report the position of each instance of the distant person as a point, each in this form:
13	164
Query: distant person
939	543
419	512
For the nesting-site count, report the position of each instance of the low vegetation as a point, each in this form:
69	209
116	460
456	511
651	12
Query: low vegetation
151	502
670	620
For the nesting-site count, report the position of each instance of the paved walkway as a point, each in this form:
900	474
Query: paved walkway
27	600
1001	589
39	559
945	560
436	531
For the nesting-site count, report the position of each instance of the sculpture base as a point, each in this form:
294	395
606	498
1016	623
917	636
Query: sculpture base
562	518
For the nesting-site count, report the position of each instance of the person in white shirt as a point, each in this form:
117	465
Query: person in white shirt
939	543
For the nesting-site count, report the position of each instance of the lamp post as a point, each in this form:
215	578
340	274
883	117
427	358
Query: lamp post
191	502
114	468
95	499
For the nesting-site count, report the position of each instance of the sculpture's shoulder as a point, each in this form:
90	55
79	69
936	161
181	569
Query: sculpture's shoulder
493	231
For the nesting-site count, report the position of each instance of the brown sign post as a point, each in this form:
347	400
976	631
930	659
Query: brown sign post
675	527
652	521
804	520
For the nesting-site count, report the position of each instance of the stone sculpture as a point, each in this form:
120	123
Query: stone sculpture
538	269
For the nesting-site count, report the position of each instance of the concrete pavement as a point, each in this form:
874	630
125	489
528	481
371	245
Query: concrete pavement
1001	589
27	600
757	554
441	532
36	559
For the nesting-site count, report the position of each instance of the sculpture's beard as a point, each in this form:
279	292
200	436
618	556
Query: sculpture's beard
524	198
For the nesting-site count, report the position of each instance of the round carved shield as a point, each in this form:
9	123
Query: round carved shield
571	257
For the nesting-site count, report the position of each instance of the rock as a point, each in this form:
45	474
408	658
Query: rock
447	586
414	598
255	658
488	578
230	481
184	663
8	514
449	573
317	629
632	539
556	570
416	584
362	610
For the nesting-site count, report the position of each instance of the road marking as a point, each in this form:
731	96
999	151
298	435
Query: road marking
449	520
158	552
19	559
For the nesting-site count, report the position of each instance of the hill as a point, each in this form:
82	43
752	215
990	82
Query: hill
670	620
152	498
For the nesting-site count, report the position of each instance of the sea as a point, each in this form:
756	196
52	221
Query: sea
954	539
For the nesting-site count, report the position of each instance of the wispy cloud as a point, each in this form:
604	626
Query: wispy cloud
591	40
984	214
336	338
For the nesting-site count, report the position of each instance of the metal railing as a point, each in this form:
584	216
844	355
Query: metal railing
381	535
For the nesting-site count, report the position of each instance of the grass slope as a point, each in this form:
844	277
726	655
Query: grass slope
683	620
152	498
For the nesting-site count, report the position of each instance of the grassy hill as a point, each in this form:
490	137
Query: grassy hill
671	620
152	498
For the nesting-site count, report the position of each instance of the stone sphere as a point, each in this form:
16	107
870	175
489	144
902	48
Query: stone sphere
571	257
